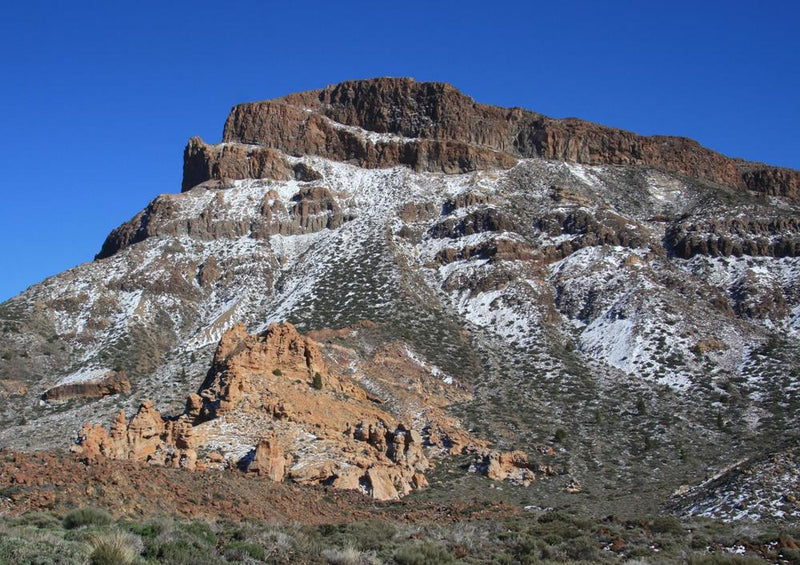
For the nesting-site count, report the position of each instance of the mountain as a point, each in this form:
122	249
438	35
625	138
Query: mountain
623	309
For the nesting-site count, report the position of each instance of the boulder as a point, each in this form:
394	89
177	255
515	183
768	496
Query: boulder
268	460
380	485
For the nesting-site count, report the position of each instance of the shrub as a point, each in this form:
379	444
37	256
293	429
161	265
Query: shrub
281	544
182	552
367	534
277	372
240	551
582	548
86	517
790	555
40	520
147	530
422	554
667	525
349	556
317	382
41	551
202	532
115	548
561	435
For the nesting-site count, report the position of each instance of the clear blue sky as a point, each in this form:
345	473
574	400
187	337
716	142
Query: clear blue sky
99	98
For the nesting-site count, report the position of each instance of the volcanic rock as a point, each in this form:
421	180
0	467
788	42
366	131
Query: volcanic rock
434	127
266	385
509	466
112	382
269	460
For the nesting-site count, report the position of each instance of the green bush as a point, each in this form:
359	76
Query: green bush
639	551
583	549
667	525
317	382
700	542
422	554
149	530
240	551
368	534
40	520
43	551
202	532
183	552
791	555
277	372
349	556
86	517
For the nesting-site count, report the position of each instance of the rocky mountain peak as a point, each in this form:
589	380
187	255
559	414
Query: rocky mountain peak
432	126
400	106
358	267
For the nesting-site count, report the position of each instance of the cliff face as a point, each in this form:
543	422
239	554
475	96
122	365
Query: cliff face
429	127
434	127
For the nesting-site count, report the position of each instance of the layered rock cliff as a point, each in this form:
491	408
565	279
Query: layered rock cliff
434	127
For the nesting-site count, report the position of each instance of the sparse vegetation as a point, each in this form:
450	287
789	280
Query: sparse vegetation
86	517
115	548
317	381
527	538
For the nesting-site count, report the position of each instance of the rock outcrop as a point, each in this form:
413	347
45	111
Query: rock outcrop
311	209
772	181
281	350
292	128
512	466
277	386
269	460
276	391
148	437
113	382
225	162
721	237
388	122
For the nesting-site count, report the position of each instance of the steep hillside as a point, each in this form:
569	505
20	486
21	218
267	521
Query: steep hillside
631	302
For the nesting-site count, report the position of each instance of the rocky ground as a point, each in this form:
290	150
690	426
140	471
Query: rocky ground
56	509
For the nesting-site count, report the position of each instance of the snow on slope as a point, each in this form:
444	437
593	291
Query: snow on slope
624	308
